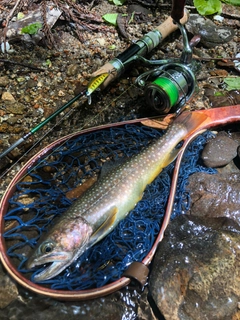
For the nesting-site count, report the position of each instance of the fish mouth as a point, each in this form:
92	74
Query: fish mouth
57	263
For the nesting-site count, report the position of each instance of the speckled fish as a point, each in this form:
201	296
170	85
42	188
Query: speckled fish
97	212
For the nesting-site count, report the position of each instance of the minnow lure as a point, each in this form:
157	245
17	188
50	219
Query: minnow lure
94	84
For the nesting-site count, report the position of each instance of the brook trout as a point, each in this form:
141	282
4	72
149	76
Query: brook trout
97	212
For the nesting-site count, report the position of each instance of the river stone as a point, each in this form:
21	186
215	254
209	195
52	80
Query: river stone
12	120
8	289
195	272
219	151
15	108
211	34
7	96
31	306
215	195
127	303
31	83
4	81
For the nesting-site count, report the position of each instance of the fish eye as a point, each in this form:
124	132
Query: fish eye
47	247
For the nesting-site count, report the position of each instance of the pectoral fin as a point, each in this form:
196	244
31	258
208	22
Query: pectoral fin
105	227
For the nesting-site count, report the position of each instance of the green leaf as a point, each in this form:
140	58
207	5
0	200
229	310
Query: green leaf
119	2
32	28
20	15
232	2
233	83
218	94
48	63
111	18
207	7
112	47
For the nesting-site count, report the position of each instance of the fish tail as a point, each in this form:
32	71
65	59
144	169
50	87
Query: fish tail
191	121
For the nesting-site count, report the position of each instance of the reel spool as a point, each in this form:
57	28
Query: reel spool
173	87
175	80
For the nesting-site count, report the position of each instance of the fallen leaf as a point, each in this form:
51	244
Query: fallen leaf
233	83
159	123
79	190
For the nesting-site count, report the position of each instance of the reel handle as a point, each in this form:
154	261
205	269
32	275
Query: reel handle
177	10
164	29
168	26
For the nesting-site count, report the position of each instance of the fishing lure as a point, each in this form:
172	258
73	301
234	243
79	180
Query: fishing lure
94	84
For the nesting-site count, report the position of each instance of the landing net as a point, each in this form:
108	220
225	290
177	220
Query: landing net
42	195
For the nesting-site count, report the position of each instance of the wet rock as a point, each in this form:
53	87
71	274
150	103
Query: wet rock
219	151
4	81
224	101
211	34
144	310
7	96
215	195
12	120
226	98
231	10
73	70
31	83
195	272
229	168
8	289
117	306
15	108
138	8
6	128
61	93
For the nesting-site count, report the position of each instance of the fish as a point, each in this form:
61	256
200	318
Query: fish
98	211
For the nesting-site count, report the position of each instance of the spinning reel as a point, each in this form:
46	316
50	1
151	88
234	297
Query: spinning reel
172	82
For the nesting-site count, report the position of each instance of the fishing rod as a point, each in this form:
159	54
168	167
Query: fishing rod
41	124
111	70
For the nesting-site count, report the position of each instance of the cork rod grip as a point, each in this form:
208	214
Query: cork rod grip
168	26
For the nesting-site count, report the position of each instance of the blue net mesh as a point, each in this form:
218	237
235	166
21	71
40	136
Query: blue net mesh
41	196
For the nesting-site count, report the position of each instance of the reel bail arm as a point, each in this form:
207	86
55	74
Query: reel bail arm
177	14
